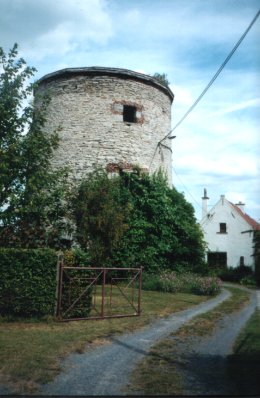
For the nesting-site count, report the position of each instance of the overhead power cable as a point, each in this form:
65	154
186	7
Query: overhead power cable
213	78
205	90
186	189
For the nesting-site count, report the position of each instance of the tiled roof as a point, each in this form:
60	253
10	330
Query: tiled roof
254	224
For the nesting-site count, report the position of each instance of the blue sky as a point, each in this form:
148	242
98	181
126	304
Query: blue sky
217	146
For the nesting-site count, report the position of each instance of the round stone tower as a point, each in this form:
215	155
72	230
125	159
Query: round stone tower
108	117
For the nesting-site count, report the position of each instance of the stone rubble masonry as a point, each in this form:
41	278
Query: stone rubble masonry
87	107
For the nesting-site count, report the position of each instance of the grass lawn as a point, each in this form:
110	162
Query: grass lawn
30	352
157	373
244	364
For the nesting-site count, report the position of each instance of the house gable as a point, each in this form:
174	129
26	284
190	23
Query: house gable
228	232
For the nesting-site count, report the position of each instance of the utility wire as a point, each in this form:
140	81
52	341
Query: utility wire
204	92
186	189
213	78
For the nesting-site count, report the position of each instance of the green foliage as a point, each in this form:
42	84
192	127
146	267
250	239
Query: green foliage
236	274
162	228
27	282
257	256
76	257
162	78
32	205
100	216
76	299
137	220
248	281
172	282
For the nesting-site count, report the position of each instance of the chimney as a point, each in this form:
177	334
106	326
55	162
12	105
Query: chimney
205	203
241	206
222	197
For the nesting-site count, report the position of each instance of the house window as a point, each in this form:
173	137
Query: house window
217	259
222	228
129	114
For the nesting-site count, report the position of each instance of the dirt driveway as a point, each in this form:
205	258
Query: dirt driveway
203	362
105	370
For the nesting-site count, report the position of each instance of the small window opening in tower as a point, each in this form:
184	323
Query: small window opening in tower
129	114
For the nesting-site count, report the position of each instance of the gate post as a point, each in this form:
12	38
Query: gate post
103	292
59	276
140	289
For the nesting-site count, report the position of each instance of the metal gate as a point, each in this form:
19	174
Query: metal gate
97	293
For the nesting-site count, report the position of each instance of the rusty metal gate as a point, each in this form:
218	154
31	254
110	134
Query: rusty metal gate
97	293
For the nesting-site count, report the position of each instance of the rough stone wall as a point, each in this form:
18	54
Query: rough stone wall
89	112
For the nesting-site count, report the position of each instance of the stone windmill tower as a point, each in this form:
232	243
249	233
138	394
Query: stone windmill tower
108	117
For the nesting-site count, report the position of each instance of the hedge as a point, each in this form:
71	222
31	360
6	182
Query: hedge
27	282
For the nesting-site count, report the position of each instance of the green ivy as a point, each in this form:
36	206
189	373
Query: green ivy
137	220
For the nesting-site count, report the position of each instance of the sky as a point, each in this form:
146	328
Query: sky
217	146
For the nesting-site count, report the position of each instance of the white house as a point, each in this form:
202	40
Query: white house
228	232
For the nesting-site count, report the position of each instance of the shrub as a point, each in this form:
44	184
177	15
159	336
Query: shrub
257	256
27	282
152	282
248	281
235	274
74	285
77	257
137	220
172	282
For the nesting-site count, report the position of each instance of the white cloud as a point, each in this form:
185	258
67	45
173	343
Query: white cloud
56	27
237	107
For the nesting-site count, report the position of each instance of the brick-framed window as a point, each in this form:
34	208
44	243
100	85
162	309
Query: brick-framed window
131	112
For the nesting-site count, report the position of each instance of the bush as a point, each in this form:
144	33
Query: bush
172	282
257	256
137	220
235	274
249	281
27	282
76	257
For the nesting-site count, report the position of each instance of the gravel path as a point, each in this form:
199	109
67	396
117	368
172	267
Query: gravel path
203	362
105	370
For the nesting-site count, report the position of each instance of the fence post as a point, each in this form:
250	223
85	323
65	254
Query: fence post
58	285
140	290
103	292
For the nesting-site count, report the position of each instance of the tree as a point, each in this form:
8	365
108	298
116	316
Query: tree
162	233
100	215
32	195
141	221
